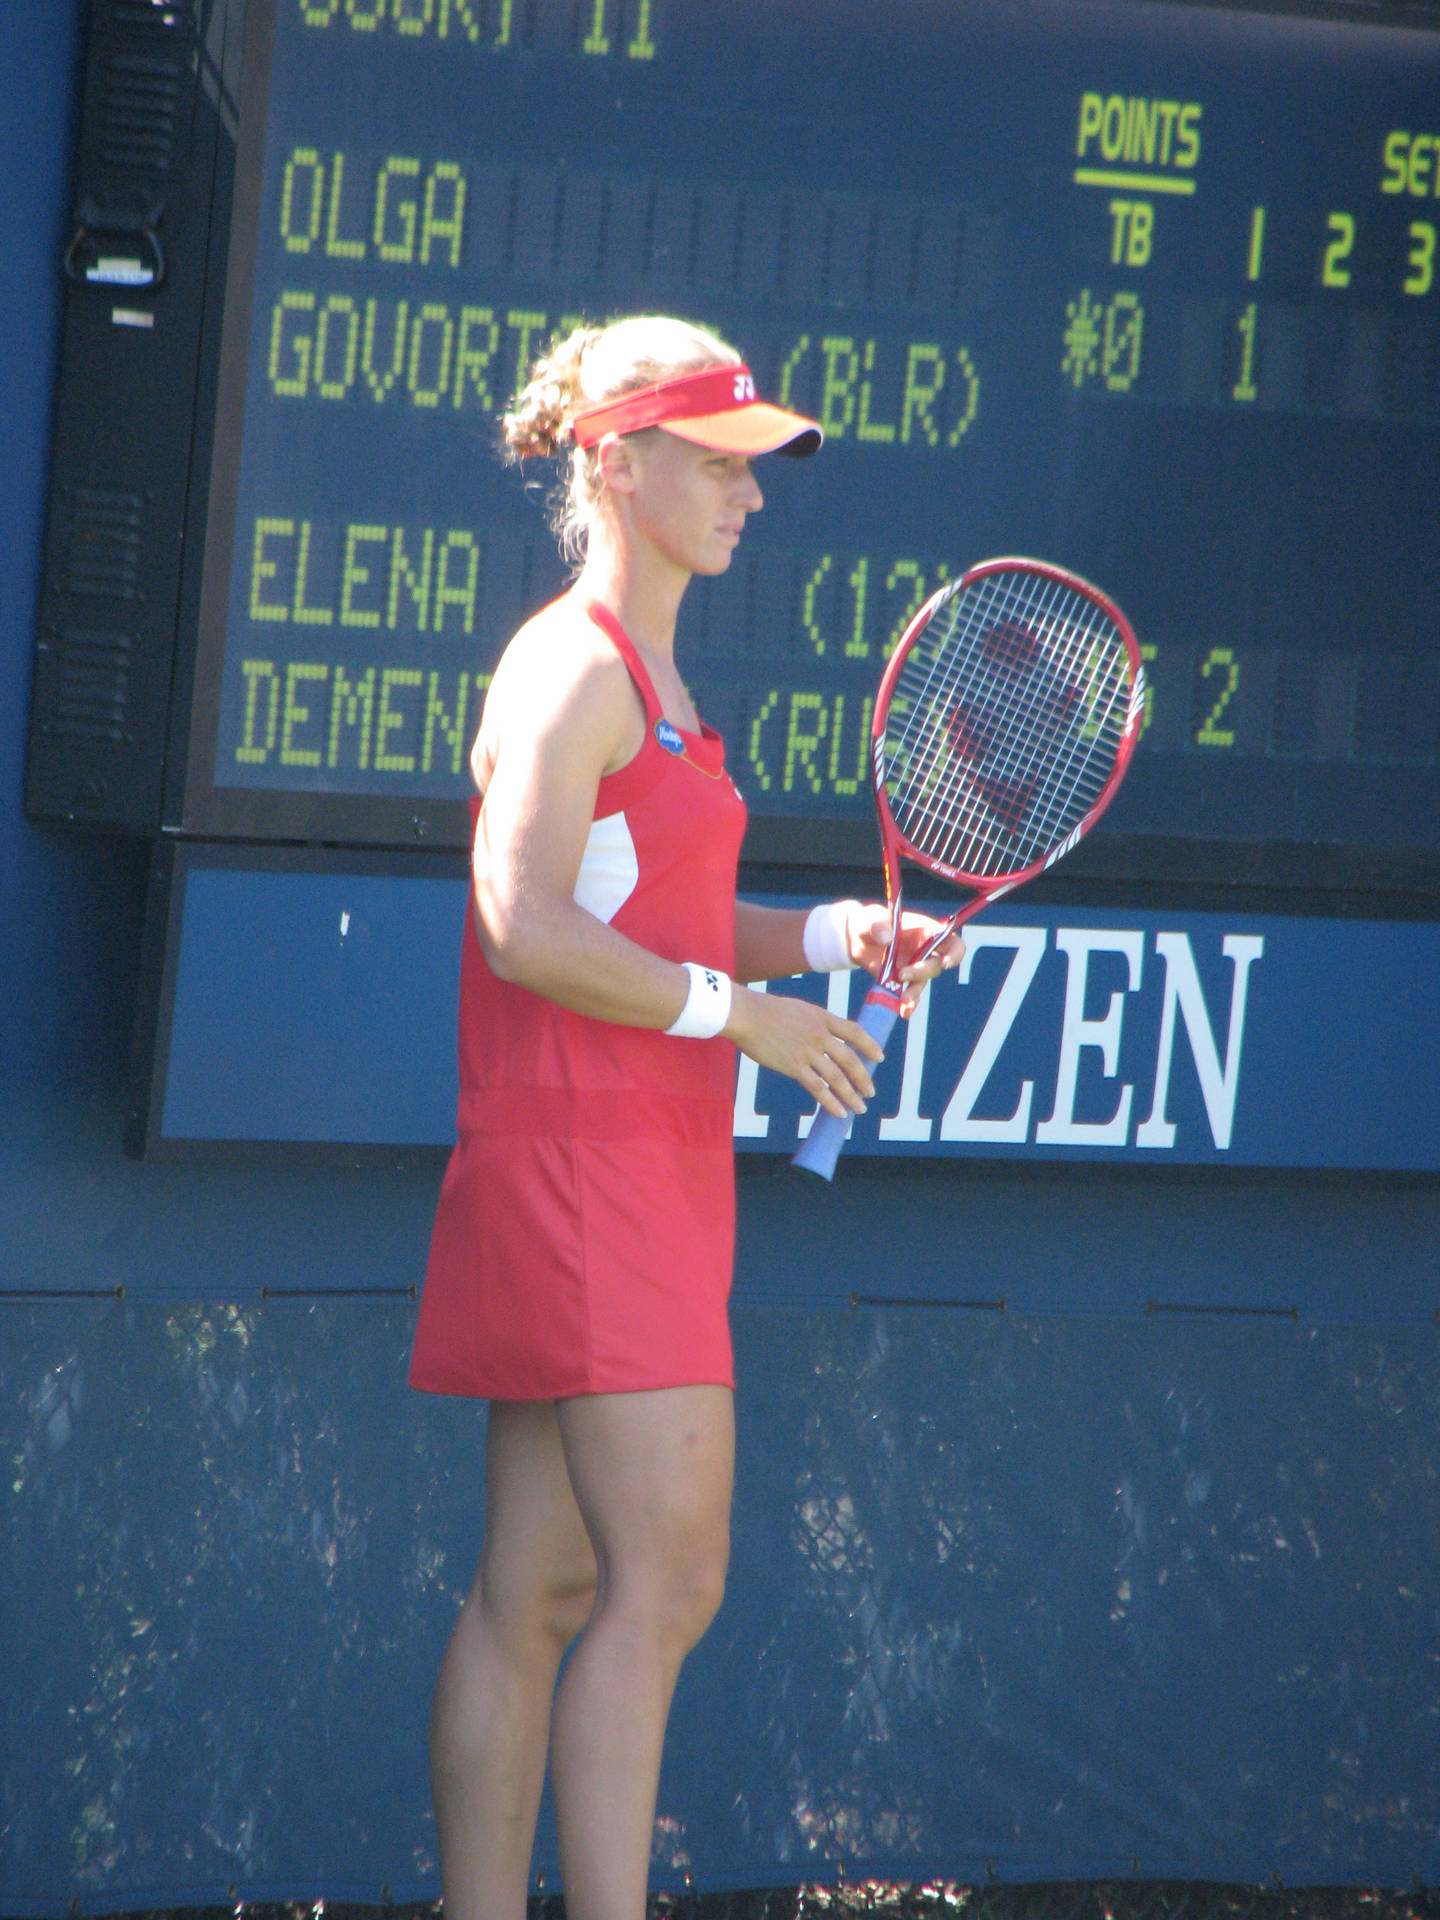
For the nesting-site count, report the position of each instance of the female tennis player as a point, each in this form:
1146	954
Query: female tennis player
580	1264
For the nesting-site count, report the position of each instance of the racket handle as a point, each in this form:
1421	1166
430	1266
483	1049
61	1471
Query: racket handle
820	1149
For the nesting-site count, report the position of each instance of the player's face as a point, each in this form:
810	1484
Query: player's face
690	503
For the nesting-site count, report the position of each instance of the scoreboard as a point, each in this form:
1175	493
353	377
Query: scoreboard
1149	290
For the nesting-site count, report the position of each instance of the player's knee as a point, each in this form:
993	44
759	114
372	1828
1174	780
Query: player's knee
693	1594
533	1613
567	1606
708	1598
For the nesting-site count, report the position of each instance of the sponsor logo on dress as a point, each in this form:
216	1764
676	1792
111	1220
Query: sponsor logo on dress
669	737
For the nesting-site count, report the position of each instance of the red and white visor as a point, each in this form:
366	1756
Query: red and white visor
715	408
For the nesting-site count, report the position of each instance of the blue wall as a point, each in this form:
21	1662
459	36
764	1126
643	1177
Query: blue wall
76	1213
1065	1595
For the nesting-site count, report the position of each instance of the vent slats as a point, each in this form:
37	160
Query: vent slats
103	554
138	113
92	683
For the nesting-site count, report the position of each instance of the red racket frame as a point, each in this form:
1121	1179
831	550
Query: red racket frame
820	1151
894	846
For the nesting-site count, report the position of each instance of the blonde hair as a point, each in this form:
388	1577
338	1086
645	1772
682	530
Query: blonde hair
587	366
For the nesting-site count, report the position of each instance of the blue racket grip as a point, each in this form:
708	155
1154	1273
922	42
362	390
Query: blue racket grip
820	1149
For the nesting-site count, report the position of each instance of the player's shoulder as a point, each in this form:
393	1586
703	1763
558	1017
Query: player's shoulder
560	654
561	675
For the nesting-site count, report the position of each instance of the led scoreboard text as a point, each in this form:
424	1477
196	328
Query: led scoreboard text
598	29
1150	292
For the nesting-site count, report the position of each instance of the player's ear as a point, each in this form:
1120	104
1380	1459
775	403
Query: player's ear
614	456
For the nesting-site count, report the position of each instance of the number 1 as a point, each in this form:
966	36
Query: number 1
1244	388
1257	243
597	40
642	47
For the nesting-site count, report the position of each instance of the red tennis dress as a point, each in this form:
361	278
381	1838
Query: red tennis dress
585	1232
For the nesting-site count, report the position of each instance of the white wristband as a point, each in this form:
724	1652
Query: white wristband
707	1004
826	940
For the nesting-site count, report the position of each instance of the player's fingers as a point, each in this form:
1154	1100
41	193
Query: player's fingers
872	924
855	1036
846	1075
921	970
948	955
833	1091
845	1072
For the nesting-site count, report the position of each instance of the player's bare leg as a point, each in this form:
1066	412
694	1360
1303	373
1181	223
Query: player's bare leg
652	1474
490	1726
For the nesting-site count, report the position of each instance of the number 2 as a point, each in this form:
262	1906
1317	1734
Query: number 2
1342	225
1219	660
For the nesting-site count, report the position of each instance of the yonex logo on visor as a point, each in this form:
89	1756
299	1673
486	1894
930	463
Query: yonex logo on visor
715	407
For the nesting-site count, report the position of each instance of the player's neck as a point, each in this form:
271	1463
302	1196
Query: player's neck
641	589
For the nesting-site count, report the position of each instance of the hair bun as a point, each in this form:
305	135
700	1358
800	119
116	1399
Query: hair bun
538	422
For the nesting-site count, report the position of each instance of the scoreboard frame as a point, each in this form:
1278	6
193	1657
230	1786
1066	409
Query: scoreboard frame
127	705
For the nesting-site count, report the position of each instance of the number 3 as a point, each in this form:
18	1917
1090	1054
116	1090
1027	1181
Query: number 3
1422	257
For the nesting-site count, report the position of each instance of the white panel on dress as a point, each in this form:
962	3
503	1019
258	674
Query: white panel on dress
609	869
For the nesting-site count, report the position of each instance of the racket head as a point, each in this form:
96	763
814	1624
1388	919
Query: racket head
1004	723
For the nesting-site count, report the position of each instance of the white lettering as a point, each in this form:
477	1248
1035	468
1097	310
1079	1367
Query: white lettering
1077	1033
958	1121
1182	988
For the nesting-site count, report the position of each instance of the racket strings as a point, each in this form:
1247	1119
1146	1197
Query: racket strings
1004	722
1077	732
1001	783
991	799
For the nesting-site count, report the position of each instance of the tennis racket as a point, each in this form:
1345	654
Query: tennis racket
1004	723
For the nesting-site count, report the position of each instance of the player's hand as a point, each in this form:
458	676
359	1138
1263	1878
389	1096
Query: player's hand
830	1057
868	928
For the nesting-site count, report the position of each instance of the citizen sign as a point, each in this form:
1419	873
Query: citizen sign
322	1007
1053	1037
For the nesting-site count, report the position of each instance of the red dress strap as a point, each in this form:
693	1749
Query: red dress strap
704	750
625	647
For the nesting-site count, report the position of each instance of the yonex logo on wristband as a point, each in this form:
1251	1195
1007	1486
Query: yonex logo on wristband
707	1004
669	737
